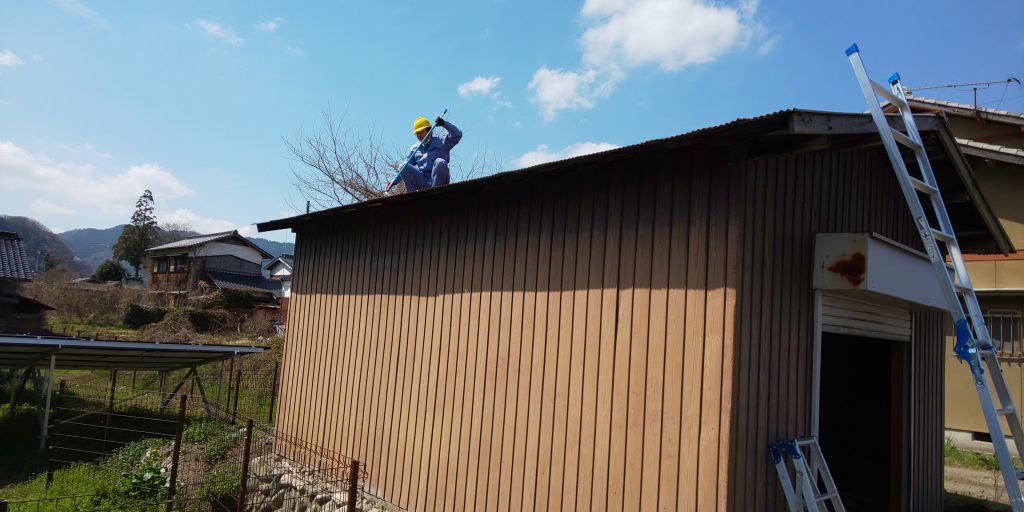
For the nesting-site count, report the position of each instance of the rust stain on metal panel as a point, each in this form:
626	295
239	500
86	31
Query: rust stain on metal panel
852	269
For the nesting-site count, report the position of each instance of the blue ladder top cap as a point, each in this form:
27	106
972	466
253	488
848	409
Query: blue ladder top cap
894	78
852	49
776	454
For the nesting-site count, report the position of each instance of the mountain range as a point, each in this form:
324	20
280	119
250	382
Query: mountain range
82	250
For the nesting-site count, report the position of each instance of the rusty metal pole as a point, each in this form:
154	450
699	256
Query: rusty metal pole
49	444
273	395
353	485
231	371
238	385
110	410
173	484
243	484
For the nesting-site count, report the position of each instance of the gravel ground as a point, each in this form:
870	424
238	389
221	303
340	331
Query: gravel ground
981	490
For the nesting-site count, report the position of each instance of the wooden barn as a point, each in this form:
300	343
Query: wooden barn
630	330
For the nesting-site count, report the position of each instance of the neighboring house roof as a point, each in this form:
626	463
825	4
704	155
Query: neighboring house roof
962	109
992	151
287	260
13	261
196	241
245	282
978	228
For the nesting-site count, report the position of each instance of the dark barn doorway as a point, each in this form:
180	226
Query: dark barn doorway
862	421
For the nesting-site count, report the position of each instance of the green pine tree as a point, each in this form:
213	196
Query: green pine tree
139	235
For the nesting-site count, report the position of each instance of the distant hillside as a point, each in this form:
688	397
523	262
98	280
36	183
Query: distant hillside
93	246
274	248
40	240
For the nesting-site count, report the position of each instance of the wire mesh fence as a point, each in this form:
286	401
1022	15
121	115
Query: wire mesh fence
187	454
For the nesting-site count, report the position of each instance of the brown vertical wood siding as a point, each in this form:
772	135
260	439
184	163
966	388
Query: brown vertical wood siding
629	336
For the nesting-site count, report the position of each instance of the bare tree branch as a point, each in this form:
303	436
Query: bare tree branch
334	165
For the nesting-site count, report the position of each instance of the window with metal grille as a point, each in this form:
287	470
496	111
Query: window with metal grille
1005	327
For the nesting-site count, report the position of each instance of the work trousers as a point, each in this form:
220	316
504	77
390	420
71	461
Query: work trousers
435	176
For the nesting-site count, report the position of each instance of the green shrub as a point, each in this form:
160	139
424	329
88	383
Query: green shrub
203	431
219	446
144	485
129	456
136	316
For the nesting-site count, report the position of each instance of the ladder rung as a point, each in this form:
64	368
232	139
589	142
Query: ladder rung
923	187
903	139
889	96
942	236
1020	474
825	497
1006	411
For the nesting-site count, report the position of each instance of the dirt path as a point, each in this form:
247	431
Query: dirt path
980	484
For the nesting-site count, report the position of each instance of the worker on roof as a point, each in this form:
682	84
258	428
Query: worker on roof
429	165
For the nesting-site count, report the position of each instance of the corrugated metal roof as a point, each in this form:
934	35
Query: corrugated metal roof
244	282
13	261
742	122
77	353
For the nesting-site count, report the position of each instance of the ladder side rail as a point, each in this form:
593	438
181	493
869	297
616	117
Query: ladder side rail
1005	402
978	323
1010	475
909	193
777	454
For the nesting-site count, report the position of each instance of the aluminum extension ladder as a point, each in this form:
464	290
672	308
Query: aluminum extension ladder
808	469
973	343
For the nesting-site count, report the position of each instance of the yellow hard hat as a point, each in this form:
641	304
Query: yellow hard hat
420	124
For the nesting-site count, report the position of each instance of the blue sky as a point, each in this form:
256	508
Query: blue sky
99	100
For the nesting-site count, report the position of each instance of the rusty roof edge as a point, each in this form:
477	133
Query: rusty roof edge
963	168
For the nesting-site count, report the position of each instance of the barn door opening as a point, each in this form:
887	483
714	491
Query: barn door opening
862	418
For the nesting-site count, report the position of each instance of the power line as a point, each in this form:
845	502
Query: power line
973	87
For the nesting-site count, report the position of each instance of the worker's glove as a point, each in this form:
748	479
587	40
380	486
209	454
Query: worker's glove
439	121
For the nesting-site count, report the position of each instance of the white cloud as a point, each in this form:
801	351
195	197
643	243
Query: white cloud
80	10
45	206
269	25
218	31
543	154
768	45
296	51
9	59
479	85
83	185
626	34
200	223
667	33
554	89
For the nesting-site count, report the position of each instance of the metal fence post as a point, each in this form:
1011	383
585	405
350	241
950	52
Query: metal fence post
273	395
49	443
353	485
110	409
238	385
172	487
244	482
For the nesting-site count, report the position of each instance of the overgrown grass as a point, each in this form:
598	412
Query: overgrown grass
91	328
20	455
955	456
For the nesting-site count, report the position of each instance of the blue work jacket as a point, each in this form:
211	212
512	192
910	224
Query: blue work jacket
437	146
